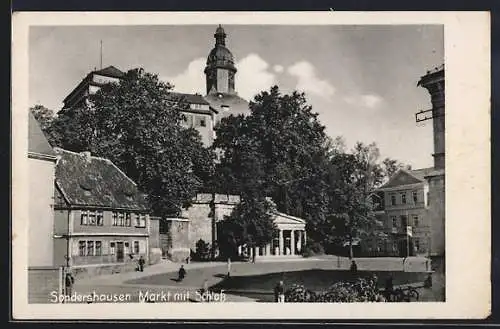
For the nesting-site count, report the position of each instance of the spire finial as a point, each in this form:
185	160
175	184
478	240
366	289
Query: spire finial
220	36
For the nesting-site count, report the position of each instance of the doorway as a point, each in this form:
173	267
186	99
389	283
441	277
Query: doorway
119	252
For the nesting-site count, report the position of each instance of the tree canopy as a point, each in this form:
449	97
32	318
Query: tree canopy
137	124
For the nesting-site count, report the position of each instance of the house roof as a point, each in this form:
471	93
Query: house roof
407	177
93	181
37	142
110	71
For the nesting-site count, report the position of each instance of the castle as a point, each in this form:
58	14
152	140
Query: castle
203	112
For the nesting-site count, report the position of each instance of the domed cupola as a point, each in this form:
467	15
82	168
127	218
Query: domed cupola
220	69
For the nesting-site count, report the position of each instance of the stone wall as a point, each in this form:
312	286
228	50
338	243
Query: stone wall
174	239
154	232
42	283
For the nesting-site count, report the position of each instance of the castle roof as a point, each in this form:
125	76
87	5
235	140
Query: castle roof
407	177
111	71
86	180
228	104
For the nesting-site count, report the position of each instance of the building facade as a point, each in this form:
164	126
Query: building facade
44	276
101	218
201	112
406	196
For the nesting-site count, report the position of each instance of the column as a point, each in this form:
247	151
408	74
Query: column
239	250
292	242
268	249
281	243
299	243
305	237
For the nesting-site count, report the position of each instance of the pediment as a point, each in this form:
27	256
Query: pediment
281	218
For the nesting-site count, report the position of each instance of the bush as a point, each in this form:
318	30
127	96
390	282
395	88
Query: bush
202	252
314	249
359	290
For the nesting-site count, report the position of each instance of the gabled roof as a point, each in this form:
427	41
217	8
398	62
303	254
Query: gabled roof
406	177
111	71
37	142
92	181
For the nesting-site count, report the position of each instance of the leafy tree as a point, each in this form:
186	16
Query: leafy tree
250	224
279	150
45	117
391	166
136	124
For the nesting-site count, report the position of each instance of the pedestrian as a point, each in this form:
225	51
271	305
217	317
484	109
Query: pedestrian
389	288
228	267
141	264
69	281
182	273
354	267
279	292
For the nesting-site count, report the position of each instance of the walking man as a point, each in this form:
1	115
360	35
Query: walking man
279	292
141	264
228	267
69	281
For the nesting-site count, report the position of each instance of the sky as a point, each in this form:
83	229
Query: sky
361	79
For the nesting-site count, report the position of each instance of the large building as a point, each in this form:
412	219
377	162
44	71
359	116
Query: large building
406	208
202	112
101	220
43	274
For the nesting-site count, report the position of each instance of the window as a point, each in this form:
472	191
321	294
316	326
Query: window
98	248
403	198
136	247
140	220
428	199
92	217
393	199
404	221
112	248
121	219
394	221
99	217
203	123
84	217
415	220
115	218
126	248
81	248
417	244
415	197
90	248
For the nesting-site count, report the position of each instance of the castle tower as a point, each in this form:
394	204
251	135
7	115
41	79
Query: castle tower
433	81
220	69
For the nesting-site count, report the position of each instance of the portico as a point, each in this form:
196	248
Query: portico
289	239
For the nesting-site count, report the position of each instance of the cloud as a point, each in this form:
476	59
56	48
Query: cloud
278	68
309	82
191	80
253	76
370	101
